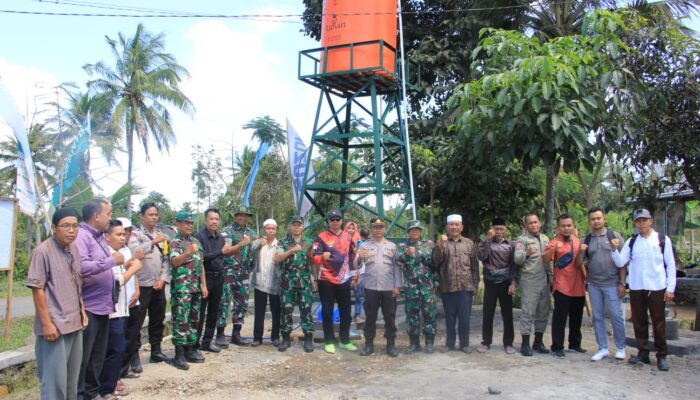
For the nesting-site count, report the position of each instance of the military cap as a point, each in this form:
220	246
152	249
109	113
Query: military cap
241	209
296	218
183	216
413	224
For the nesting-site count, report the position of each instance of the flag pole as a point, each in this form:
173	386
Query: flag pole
404	113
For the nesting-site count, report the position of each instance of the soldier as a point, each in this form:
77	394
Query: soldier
415	257
534	280
236	277
294	258
188	287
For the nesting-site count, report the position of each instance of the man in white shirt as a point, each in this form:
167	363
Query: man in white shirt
652	281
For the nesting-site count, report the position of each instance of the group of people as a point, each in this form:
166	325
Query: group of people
94	282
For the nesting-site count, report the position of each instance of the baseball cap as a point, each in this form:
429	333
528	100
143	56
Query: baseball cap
640	213
334	213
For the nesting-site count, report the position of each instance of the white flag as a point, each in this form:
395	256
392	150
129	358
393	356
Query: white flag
26	189
297	166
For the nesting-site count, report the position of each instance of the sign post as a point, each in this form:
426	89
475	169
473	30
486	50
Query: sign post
9	209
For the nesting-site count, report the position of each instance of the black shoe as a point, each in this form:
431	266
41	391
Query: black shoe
578	349
275	342
285	343
212	348
466	349
369	348
429	341
256	343
525	348
158	356
559	354
309	342
640	359
221	342
179	361
391	347
136	364
193	355
662	363
236	337
447	348
415	345
540	348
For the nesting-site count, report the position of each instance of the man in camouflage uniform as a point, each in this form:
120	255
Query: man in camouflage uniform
297	283
188	286
534	280
415	257
237	270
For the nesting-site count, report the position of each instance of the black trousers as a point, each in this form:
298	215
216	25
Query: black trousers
653	301
497	292
571	308
261	299
209	310
151	302
95	338
330	294
375	299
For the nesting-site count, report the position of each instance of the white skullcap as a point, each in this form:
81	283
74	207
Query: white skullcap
269	221
454	218
125	222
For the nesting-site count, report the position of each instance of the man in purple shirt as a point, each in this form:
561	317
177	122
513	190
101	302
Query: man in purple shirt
96	262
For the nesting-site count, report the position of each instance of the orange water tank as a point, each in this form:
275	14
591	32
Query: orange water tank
354	21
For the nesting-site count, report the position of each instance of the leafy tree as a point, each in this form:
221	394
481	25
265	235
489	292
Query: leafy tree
142	83
165	210
267	130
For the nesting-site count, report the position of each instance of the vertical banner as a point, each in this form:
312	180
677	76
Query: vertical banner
9	211
262	150
297	168
71	168
26	188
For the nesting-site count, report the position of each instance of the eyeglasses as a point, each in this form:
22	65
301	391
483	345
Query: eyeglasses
68	227
335	219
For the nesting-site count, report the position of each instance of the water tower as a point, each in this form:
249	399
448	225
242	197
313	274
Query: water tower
356	73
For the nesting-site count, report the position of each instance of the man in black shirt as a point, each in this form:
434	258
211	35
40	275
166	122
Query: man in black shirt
215	248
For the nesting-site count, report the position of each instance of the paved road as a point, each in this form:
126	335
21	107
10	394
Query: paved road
21	307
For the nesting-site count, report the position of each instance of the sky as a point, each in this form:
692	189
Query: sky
239	69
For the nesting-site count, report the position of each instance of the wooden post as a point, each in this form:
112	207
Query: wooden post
10	272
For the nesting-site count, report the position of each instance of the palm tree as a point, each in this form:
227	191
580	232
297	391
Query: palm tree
142	83
267	130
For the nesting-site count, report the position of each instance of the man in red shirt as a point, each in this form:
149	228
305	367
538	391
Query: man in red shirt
568	287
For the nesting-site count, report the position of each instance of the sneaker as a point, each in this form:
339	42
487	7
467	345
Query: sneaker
510	350
559	354
601	354
329	348
620	354
349	346
483	348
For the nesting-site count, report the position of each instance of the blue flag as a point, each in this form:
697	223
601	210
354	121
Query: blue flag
262	150
297	164
71	169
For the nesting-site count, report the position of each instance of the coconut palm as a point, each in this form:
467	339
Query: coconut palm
142	83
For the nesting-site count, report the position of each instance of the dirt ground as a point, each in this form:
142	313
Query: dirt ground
265	373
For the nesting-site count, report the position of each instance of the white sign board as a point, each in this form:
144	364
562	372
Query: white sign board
8	218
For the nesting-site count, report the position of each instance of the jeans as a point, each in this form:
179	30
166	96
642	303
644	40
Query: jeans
359	296
116	345
329	294
58	364
260	307
458	309
602	299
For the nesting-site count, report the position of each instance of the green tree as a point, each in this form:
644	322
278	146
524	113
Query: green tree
142	83
267	130
165	210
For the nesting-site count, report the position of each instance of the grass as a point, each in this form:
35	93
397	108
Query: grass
18	289
20	330
21	381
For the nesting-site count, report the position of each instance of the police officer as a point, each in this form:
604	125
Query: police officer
188	287
297	283
534	280
415	258
236	277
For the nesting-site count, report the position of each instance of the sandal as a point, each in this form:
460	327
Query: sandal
120	387
132	375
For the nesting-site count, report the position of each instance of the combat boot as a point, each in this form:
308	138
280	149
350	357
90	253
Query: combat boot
285	343
157	355
369	347
179	361
236	337
193	355
136	364
415	344
525	349
391	347
221	338
429	341
309	342
538	345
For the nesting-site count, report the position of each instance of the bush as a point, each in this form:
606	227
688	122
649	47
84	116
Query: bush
21	265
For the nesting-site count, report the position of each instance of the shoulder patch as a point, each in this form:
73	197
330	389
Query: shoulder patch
519	245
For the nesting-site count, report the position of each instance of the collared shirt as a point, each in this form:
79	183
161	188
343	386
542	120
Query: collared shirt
646	263
57	271
382	270
497	259
300	261
337	268
126	289
457	265
599	262
212	243
568	280
96	264
155	266
532	268
187	277
241	260
267	275
418	268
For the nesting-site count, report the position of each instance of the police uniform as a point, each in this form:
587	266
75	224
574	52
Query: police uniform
237	269
534	279
420	282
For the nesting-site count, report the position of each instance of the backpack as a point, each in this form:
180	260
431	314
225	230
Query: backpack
587	240
662	245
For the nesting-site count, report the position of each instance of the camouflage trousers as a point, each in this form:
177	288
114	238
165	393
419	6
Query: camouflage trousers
185	308
420	304
236	286
296	290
